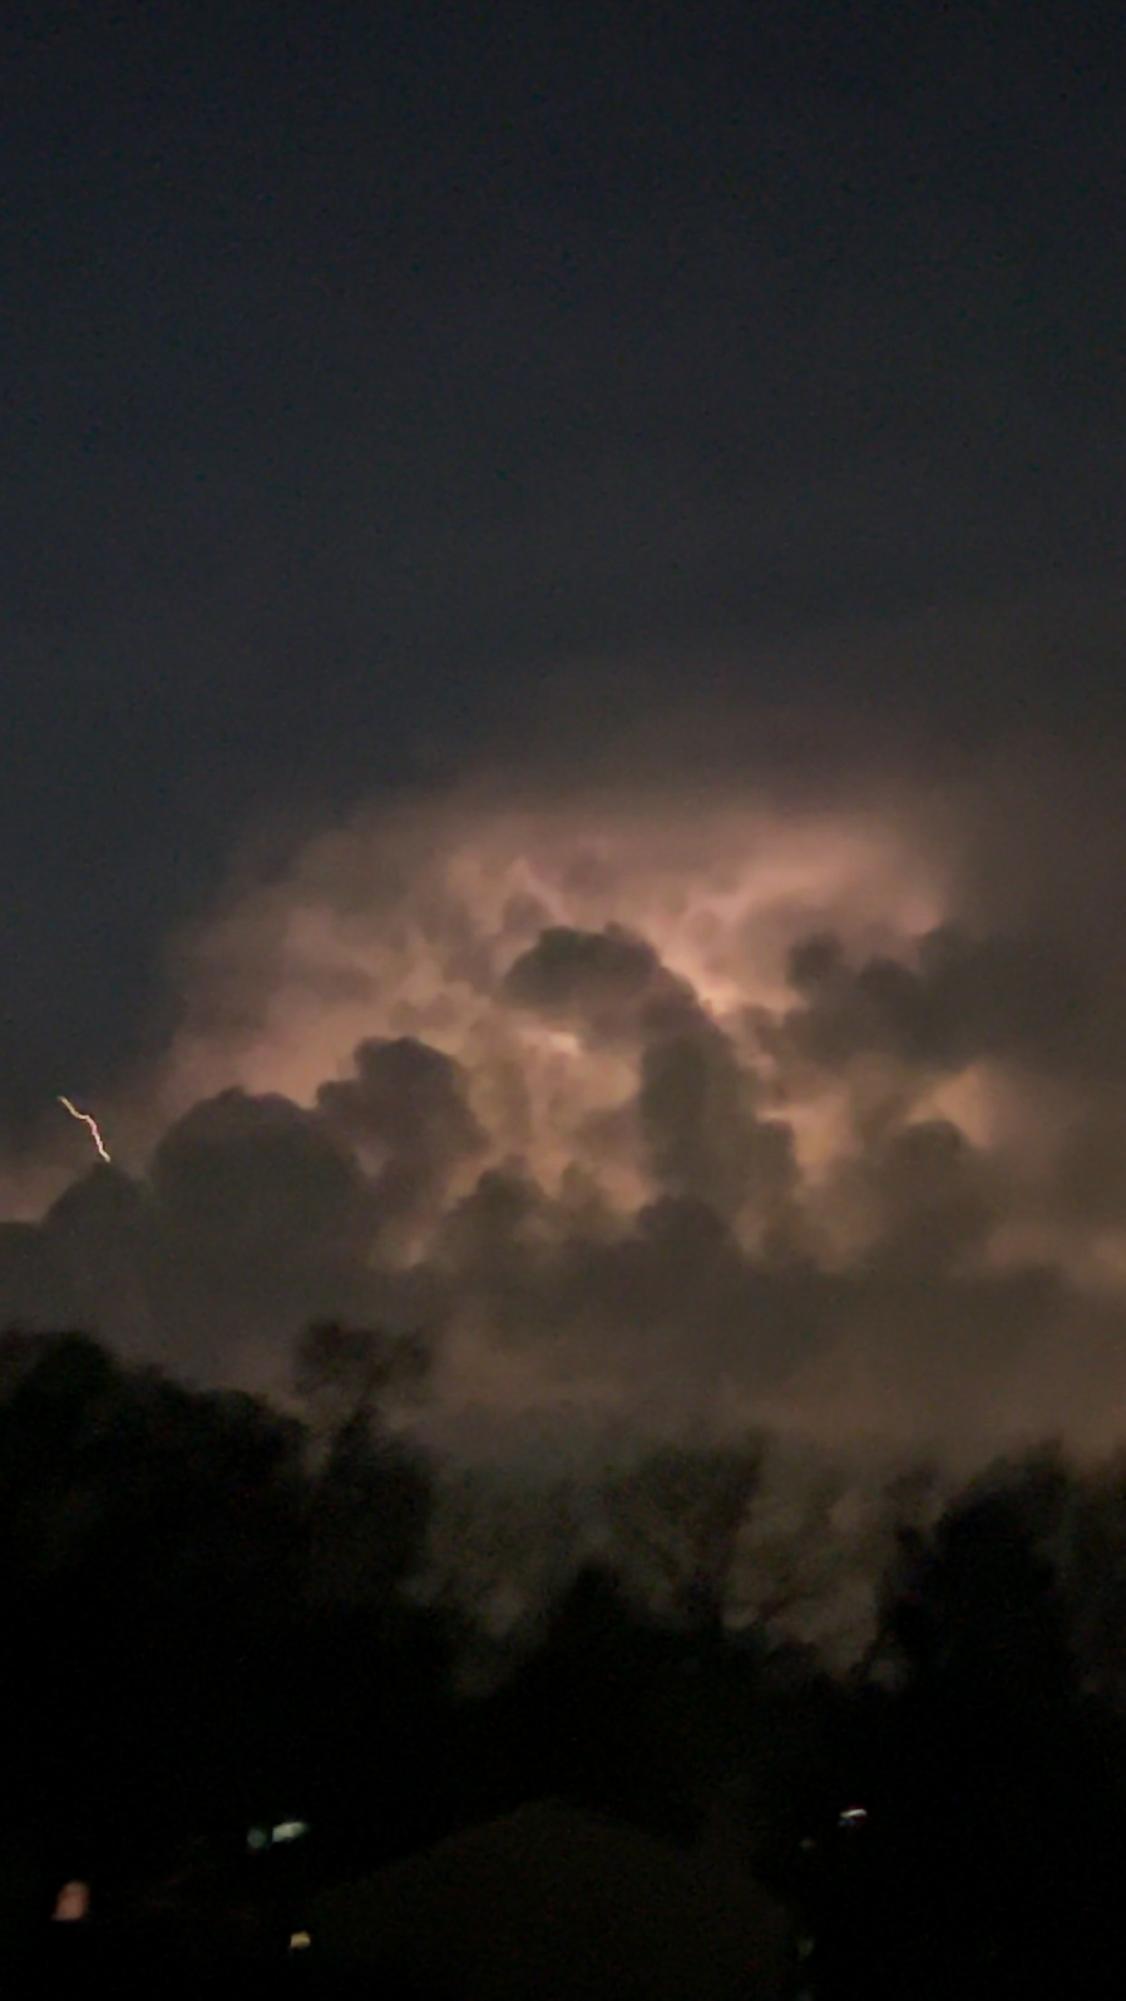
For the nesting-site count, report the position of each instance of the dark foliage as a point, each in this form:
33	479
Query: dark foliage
199	1614
204	1628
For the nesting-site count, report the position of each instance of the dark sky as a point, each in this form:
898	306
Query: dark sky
367	367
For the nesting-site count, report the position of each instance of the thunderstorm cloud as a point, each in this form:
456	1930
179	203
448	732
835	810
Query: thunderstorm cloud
652	1106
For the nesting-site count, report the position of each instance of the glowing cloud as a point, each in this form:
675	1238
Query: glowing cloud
650	1107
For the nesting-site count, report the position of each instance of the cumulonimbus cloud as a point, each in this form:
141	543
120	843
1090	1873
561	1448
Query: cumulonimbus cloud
683	1108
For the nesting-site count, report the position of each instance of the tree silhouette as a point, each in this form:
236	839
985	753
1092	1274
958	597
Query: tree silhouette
343	1375
675	1520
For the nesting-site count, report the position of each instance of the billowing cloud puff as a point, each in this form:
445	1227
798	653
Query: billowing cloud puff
262	1221
955	1000
696	1104
602	982
406	1112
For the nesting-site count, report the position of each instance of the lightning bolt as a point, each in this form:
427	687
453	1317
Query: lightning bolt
86	1119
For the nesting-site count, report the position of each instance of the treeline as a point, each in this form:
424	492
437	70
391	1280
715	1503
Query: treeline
200	1625
205	1624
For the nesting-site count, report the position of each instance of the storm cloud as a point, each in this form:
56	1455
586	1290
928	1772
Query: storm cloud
653	1111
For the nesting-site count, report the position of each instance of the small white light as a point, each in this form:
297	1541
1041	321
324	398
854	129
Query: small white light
298	1941
290	1830
853	1816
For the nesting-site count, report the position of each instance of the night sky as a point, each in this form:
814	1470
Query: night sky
563	734
372	370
